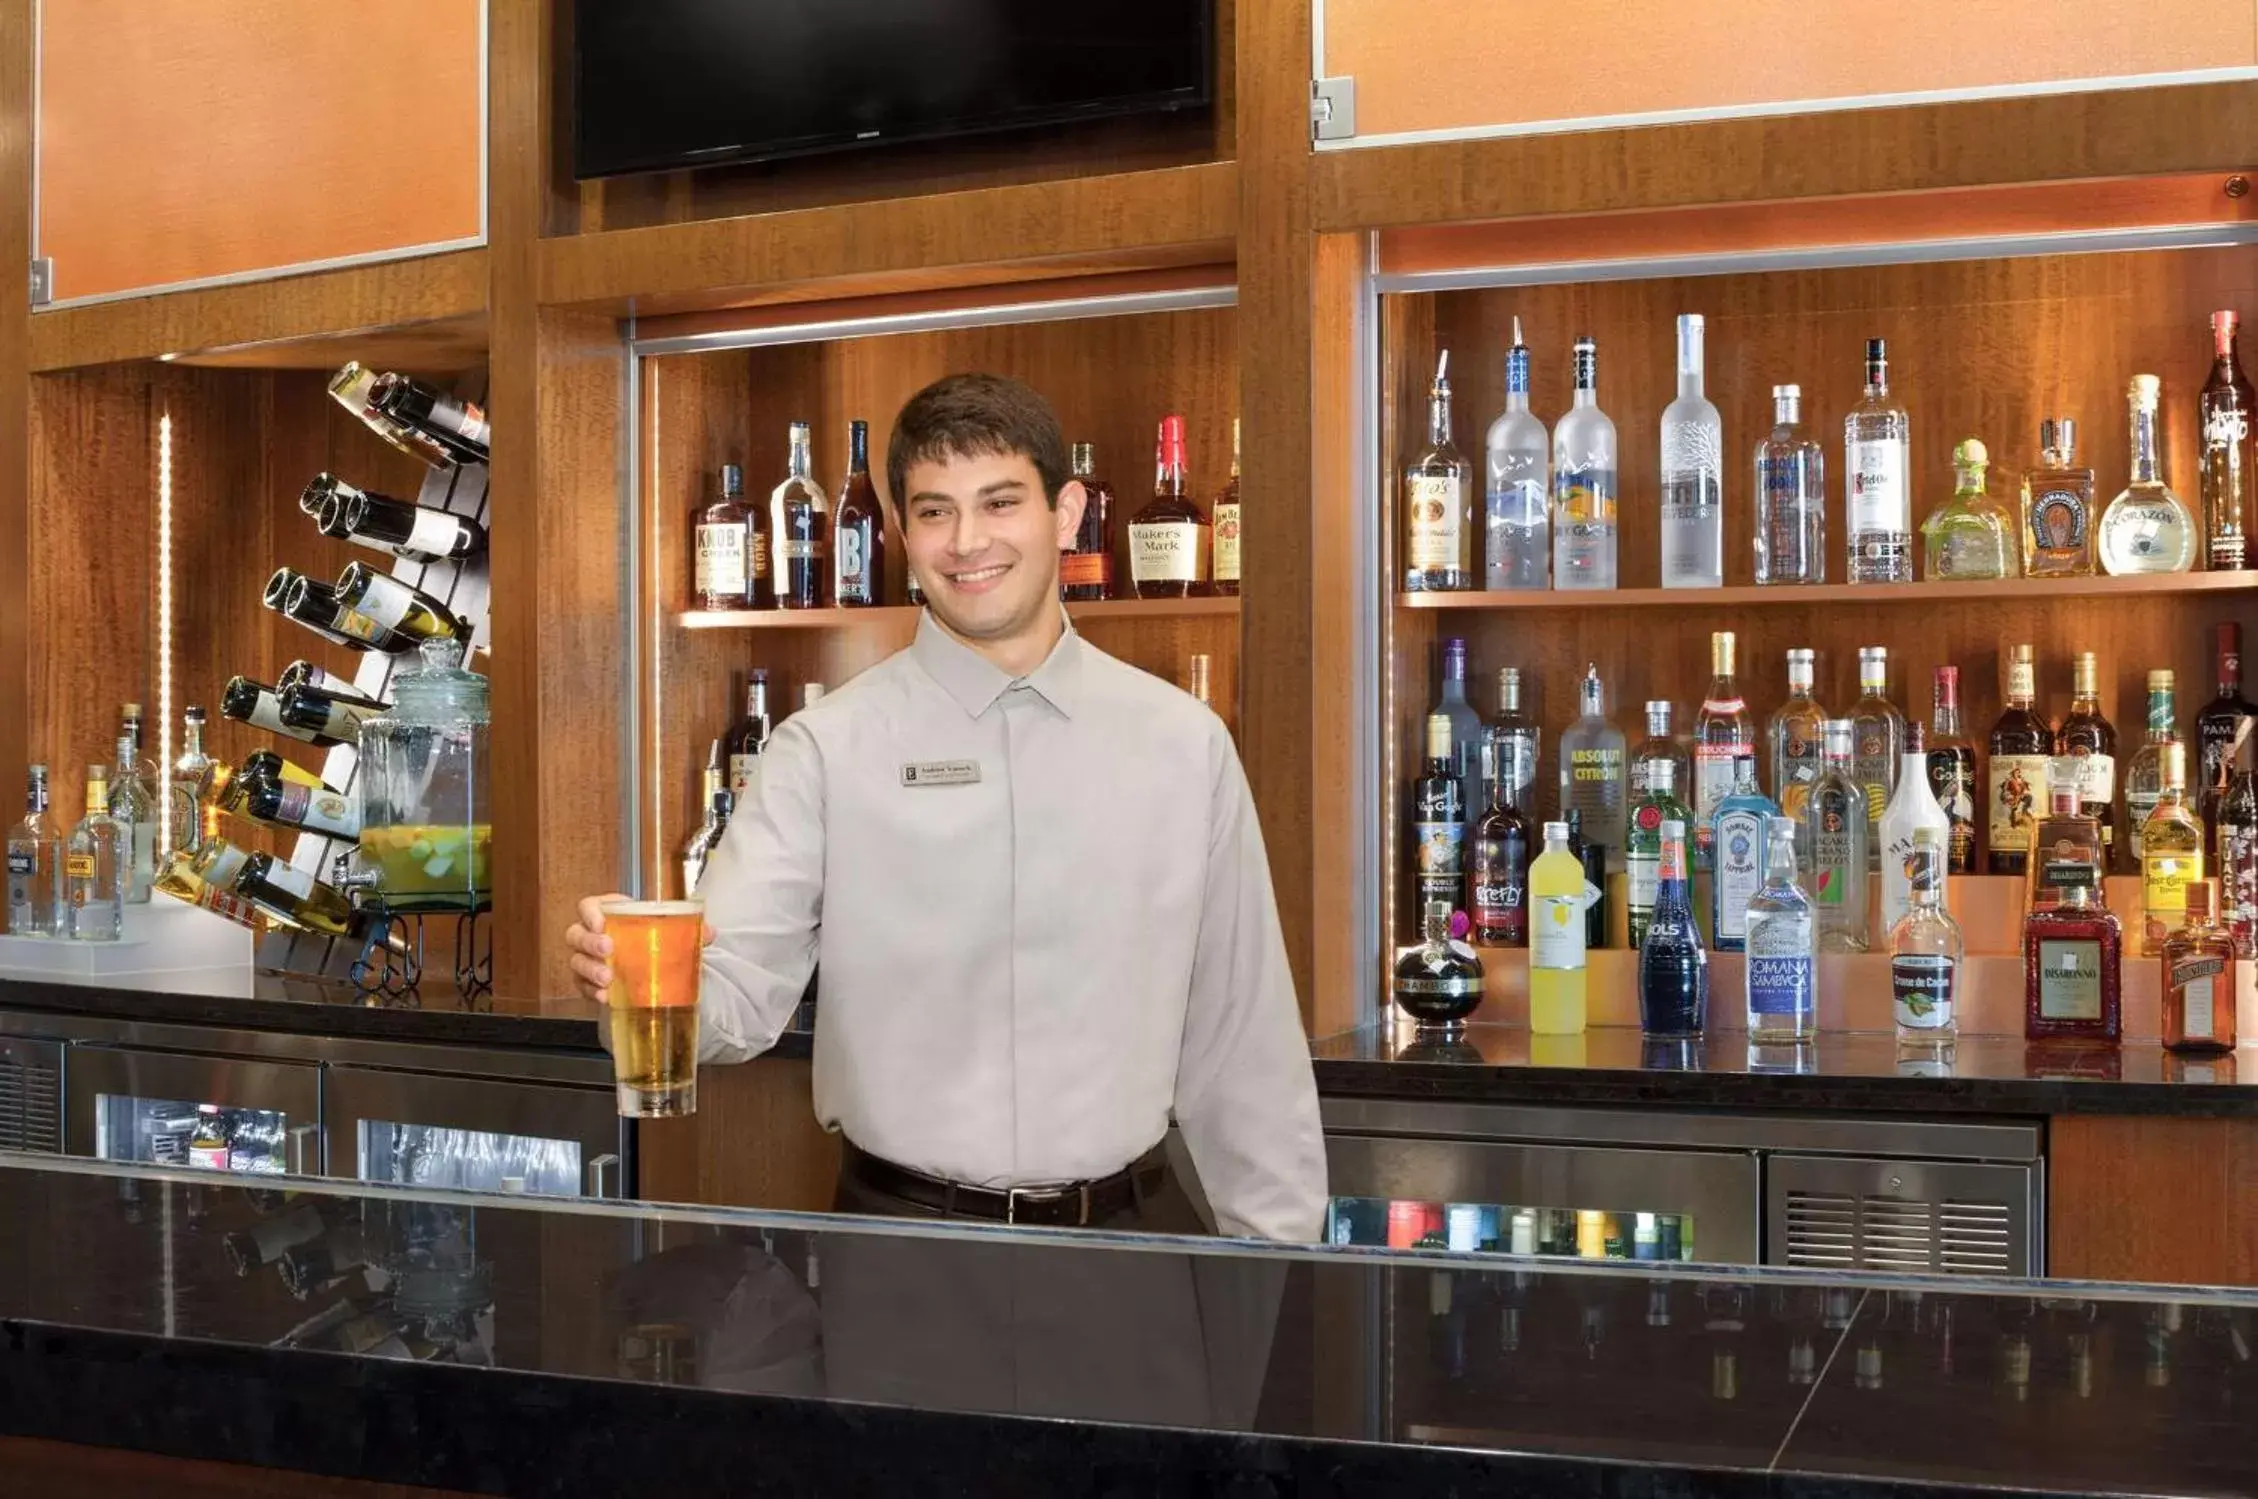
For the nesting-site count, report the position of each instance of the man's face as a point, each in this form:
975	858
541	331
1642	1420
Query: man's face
983	543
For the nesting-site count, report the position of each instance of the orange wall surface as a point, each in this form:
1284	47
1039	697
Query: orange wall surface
182	140
1470	64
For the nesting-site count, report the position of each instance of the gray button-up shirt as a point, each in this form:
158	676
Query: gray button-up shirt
1045	923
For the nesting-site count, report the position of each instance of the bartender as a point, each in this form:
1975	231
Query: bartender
1034	881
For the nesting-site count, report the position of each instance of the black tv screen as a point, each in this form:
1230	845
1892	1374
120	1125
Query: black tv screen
660	84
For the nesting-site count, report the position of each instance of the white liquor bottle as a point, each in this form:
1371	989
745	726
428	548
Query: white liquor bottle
1791	497
1877	479
1583	485
1517	541
1693	474
1783	946
1831	847
136	813
2146	529
35	866
1591	771
1878	741
94	865
1926	951
1912	807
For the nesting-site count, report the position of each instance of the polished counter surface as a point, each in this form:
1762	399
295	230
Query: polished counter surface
519	1345
1616	1066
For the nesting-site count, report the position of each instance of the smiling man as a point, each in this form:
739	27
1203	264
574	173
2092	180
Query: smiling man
1034	882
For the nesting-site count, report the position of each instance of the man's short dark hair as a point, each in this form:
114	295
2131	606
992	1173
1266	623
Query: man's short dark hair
974	416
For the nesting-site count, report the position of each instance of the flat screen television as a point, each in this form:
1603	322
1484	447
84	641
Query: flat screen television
662	84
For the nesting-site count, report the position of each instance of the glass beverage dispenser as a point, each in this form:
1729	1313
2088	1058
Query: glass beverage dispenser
426	830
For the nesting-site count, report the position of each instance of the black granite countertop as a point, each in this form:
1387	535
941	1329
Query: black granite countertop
1613	1065
509	1345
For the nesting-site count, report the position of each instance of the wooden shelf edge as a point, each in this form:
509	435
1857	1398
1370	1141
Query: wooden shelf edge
1792	596
283	321
903	614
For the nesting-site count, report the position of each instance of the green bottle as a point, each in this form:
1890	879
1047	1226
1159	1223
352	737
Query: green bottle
1642	843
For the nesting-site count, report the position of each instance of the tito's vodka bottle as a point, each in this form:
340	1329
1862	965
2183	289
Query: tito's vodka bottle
1518	541
1438	503
1791	497
1583	485
1877	479
1693	474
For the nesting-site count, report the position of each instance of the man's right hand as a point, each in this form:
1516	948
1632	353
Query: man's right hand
591	949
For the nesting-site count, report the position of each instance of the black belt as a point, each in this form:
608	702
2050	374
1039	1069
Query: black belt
1072	1205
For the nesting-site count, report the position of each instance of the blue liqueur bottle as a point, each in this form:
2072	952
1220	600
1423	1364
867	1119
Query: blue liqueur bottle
1673	968
1737	842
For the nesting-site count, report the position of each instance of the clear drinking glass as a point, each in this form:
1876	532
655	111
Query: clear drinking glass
657	949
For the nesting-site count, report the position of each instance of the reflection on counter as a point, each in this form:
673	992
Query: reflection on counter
1469	1228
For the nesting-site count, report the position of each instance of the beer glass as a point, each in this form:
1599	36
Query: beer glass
653	1004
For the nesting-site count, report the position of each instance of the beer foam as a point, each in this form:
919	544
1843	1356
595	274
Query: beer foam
612	908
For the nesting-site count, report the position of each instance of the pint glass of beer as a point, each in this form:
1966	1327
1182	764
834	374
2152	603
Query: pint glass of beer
654	1004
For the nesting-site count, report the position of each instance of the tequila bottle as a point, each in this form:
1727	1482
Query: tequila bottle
1912	808
1791	497
1926	953
1591	771
1783	965
1517	550
1693	474
2144	774
1673	968
35	866
2087	745
1970	537
2171	853
1583	484
1518	738
2022	741
2146	528
1656	804
2058	507
1831	848
2228	458
1878	742
95	865
1438	502
1723	733
1952	771
1878	478
1794	736
1738	841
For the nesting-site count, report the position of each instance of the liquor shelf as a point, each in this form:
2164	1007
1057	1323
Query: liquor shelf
834	618
2097	586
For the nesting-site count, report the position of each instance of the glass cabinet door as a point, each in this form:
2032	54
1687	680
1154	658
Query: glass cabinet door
429	1155
185	1132
173	1109
1508	1228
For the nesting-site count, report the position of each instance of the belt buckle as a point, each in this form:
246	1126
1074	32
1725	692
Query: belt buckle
1013	1195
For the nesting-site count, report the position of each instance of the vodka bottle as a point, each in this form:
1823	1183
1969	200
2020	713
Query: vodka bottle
1877	479
1517	541
1583	484
1791	497
1783	965
1693	474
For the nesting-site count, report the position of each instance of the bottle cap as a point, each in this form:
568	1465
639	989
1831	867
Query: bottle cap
1924	837
1438	737
1787	392
1556	832
2058	435
2144	390
1971	453
2161	681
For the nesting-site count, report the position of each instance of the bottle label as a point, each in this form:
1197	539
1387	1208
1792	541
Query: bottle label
2144	537
1586	502
801	549
1739	858
1952	779
2196	978
1643	872
1437	850
744	775
1169	551
1462	986
757	542
22	861
384	606
2059	521
1713	782
290	879
1436	533
1226	521
1923	985
851	581
79	866
2164	880
317	811
2238	885
433	534
1831	854
2138	804
2018	784
2097	780
1085	569
1781	983
1594	770
1877	489
462	418
1558	940
2069	979
1498	892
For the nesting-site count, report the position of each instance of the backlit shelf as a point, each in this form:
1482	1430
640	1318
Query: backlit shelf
1788	595
899	615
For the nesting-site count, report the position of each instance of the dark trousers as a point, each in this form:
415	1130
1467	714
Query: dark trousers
1164	1211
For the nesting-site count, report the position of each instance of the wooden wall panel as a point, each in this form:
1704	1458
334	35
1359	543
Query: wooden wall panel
2149	1199
754	1142
178	143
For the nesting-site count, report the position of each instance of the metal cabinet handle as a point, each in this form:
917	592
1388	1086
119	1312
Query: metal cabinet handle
598	1169
298	1134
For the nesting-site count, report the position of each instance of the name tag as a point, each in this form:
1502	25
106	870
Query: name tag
942	773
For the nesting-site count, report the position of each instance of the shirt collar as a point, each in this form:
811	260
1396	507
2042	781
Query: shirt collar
975	682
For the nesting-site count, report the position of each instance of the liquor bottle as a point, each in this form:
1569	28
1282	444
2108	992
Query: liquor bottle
1831	847
1791	497
1952	771
858	560
1224	515
144	768
1877	742
2199	986
2228	458
136	813
1168	539
713	794
2057	530
2237	845
313	604
799	526
1912	807
393	527
207	879
1517	494
353	388
748	741
1660	750
721	532
1498	876
1794	734
1723	732
1878	478
321	718
1556	944
1085	572
2067	839
2144	773
1926	952
95	860
1656	803
294	897
1783	948
2221	721
392	616
35	866
1438	981
1970	536
2089	741
1518	738
1466	731
189	821
1438	503
2073	961
2146	528
1673	968
1438	819
2021	742
1592	859
1591	769
2171	853
452	423
1738	842
1583	483
1693	474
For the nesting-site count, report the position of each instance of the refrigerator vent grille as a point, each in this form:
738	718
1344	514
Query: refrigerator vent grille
31	1105
1837	1231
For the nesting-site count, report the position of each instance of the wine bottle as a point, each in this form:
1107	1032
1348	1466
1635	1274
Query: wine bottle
267	765
294	897
300	599
325	720
391	615
258	705
352	388
206	878
306	674
394	527
291	804
454	424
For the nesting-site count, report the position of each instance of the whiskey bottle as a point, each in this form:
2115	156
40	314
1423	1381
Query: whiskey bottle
35	867
1517	486
748	740
2144	773
284	803
799	525
390	615
2221	721
1693	473
2073	961
2228	457
1952	771
1438	982
1791	497
1794	735
721	539
713	793
354	387
2199	986
309	603
321	718
858	561
2146	528
394	527
1969	537
1224	514
95	859
1085	571
2171	853
455	425
1438	820
2089	741
294	897
1169	537
2057	529
1878	478
1723	732
1584	478
1438	503
2022	741
1878	742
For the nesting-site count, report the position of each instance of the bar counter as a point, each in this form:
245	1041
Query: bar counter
506	1344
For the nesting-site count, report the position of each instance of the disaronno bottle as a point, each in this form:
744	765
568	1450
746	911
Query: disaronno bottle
1169	539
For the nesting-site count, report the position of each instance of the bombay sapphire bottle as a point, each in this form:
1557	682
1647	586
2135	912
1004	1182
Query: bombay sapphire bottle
1673	968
